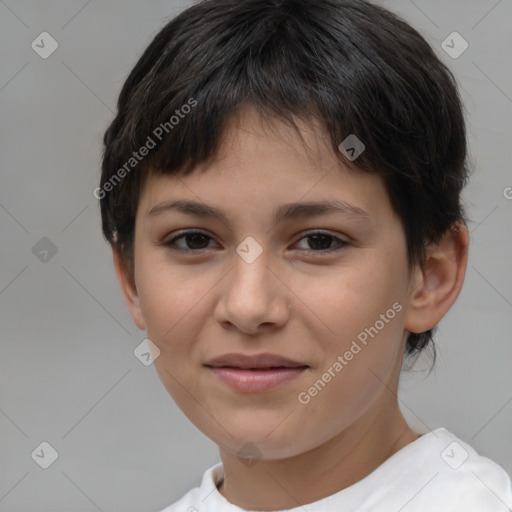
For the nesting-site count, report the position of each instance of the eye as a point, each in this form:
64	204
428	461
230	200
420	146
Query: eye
197	241
320	242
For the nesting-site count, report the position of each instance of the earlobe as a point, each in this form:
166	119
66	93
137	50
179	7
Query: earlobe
438	283
128	289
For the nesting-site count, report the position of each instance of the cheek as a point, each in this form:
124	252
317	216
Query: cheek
359	359
170	298
171	304
351	392
354	298
363	308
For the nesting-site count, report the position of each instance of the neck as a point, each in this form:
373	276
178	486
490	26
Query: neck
335	465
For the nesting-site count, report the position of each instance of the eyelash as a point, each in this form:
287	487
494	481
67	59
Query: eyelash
171	243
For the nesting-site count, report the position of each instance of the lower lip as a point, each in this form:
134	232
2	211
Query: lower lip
256	381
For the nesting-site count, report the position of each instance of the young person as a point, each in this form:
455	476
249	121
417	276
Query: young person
281	189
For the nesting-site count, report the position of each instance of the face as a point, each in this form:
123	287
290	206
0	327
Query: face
327	290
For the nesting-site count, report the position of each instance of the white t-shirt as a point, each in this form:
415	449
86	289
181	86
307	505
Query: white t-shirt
436	473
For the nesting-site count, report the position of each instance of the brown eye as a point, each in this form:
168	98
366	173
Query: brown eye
193	240
320	242
197	241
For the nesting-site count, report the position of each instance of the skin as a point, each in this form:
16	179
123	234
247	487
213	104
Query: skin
290	301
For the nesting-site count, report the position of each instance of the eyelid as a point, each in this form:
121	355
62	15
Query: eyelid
341	243
183	234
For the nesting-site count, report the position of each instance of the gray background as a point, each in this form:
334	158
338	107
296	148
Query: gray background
68	375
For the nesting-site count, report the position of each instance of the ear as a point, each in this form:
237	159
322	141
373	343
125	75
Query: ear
436	285
128	289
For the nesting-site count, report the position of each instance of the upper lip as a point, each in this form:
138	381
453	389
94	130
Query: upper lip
246	362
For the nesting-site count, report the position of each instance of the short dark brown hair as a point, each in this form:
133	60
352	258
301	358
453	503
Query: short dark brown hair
354	66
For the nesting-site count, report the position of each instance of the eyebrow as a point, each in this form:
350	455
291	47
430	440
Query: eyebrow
285	211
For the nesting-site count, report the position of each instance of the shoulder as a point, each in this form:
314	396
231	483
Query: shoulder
193	500
188	503
460	478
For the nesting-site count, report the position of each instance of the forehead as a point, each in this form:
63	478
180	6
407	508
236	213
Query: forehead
263	166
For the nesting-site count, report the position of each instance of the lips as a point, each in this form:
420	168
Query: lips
263	361
257	373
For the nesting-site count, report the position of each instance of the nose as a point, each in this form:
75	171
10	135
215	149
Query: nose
253	297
